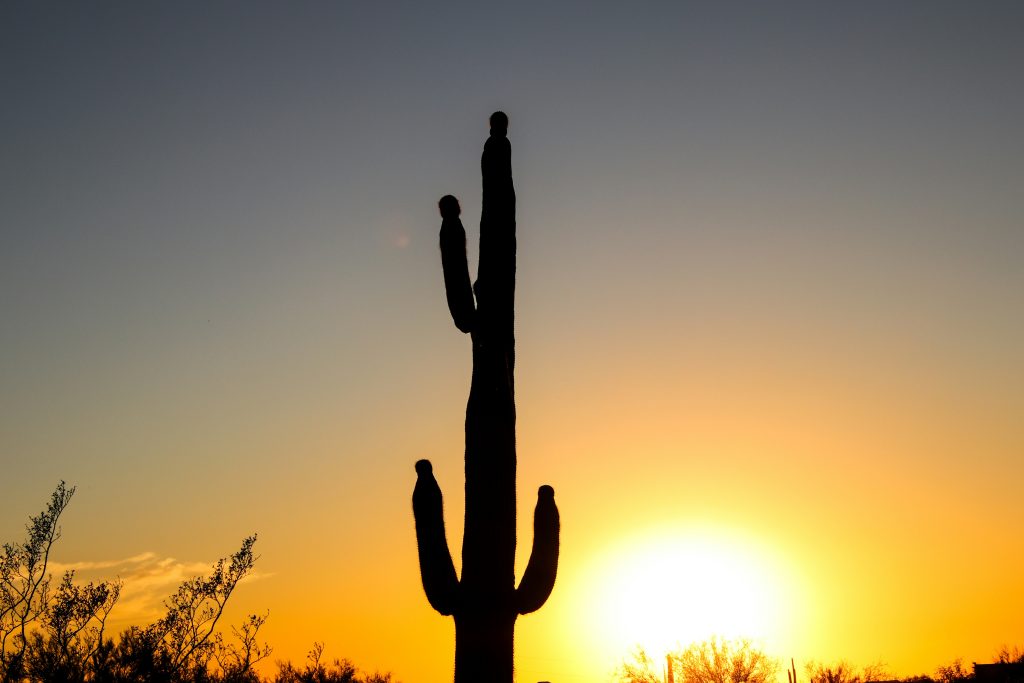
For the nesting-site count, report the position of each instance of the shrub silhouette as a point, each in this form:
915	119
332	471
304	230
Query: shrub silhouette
711	661
315	671
54	630
844	672
485	601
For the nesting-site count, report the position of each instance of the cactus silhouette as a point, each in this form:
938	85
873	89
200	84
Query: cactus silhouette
485	601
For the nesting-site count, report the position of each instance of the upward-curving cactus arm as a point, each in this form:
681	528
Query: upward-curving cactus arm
453	263
539	577
436	568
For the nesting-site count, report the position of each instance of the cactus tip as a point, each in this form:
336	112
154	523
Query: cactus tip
499	123
424	467
449	206
545	491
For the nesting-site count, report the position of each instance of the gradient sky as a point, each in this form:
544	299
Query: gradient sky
771	267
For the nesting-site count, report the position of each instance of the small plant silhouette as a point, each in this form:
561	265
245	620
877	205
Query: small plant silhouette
485	601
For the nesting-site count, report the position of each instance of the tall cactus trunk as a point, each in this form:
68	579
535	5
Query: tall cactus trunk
485	601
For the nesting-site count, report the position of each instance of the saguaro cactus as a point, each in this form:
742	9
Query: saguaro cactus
485	601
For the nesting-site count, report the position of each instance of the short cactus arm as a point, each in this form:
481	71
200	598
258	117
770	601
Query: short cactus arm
454	265
436	568
539	577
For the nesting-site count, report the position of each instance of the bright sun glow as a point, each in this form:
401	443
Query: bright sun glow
674	589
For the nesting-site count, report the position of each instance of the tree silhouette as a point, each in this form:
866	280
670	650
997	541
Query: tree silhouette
485	601
1009	654
42	628
954	672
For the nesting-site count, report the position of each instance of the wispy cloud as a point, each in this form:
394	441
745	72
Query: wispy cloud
61	567
148	580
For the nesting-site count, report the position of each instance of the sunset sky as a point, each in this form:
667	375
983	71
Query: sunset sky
769	317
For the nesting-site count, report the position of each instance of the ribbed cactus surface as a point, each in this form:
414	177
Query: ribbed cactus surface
485	601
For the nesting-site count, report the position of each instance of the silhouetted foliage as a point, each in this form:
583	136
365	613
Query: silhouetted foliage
54	632
71	630
236	660
711	661
485	601
640	668
48	633
954	672
843	672
1007	654
315	671
183	638
723	661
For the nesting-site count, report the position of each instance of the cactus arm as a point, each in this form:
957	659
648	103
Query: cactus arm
539	577
436	567
454	265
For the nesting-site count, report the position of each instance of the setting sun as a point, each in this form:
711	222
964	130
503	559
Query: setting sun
674	588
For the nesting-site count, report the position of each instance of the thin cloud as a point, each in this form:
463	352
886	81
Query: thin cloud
61	567
147	581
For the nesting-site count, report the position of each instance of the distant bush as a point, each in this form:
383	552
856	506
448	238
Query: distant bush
711	661
842	672
339	671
